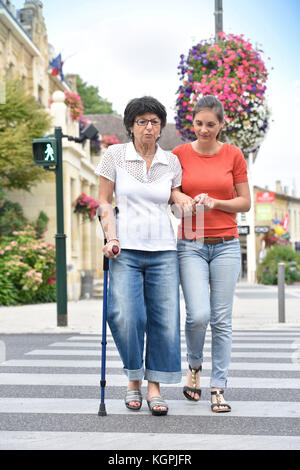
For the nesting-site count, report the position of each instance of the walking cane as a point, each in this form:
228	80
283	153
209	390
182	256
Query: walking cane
115	249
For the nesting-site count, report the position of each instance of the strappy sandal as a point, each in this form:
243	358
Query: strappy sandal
219	403
157	401
133	396
192	389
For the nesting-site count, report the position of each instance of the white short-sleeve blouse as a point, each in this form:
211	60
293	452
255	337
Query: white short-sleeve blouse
142	197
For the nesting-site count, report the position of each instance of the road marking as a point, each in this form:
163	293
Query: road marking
257	345
114	353
272	366
92	380
26	440
258	409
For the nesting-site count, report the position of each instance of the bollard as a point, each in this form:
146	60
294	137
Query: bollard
281	294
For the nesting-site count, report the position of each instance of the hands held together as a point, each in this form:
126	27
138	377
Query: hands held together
181	205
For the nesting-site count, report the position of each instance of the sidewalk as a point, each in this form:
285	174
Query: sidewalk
255	307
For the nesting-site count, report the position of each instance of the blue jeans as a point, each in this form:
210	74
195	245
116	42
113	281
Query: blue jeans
143	299
208	275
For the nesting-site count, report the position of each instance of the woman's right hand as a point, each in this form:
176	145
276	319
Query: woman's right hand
108	249
182	204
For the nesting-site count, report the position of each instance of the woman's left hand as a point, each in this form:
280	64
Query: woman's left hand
205	201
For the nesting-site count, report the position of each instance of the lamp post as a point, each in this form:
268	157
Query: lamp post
60	238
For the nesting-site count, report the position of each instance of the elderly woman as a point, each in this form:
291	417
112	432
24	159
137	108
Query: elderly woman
143	298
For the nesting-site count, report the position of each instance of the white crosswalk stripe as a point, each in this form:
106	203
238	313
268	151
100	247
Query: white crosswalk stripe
61	381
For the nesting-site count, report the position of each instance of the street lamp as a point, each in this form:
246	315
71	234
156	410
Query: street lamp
218	19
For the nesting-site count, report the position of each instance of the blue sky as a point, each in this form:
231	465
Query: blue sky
129	48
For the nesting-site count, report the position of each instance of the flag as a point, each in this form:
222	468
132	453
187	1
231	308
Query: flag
57	65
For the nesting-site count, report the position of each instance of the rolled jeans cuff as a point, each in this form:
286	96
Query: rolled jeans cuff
215	383
163	377
133	375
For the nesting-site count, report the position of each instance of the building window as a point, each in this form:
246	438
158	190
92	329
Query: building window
10	72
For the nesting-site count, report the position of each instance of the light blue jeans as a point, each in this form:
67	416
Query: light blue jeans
208	275
143	299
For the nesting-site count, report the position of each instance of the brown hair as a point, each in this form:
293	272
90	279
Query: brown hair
213	104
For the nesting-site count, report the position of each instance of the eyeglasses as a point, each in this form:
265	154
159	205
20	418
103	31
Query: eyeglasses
145	122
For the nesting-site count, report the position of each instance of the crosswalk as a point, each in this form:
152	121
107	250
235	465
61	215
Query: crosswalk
49	399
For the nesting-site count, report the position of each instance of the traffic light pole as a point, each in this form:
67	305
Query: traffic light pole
60	238
47	153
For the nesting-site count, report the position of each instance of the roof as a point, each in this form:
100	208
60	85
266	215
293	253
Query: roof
112	124
285	196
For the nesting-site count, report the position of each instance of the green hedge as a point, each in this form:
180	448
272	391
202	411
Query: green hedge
27	269
267	270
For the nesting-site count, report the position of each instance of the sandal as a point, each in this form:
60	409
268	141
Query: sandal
157	401
133	396
219	403
193	388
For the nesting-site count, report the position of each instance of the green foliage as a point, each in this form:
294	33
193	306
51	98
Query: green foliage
267	270
12	218
40	224
8	293
92	102
21	120
27	269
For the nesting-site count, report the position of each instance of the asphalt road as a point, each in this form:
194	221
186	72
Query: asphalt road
50	395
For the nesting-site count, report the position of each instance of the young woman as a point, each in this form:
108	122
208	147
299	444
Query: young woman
214	174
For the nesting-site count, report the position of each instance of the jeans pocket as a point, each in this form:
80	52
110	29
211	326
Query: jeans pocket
183	244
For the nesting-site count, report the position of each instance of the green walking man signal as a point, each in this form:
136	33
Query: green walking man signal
44	152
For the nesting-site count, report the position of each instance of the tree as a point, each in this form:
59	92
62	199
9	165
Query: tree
93	103
21	120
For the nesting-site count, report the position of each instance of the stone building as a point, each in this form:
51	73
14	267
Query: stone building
272	207
112	124
25	55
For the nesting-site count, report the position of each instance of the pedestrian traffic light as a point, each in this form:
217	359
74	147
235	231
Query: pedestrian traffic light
44	152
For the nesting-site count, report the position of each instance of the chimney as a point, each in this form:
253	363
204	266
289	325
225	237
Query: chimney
278	187
29	15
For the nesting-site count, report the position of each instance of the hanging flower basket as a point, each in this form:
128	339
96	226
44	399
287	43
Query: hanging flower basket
86	205
234	72
74	102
